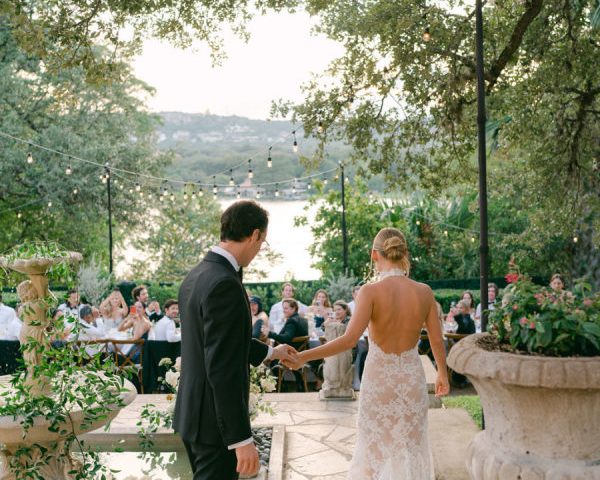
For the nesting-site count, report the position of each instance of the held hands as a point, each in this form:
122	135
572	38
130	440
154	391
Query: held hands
442	386
284	353
247	460
296	363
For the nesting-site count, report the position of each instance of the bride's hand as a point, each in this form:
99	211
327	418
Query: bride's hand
294	364
442	386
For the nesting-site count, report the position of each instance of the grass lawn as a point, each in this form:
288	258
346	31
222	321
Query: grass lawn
470	403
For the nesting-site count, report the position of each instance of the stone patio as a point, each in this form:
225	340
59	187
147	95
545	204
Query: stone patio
319	435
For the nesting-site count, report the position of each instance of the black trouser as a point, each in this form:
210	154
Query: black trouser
211	462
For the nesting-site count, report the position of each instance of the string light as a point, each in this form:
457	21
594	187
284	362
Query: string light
371	196
75	191
49	204
172	196
215	188
29	158
295	144
130	189
201	192
426	35
120	186
472	239
325	181
575	239
418	222
193	195
269	159
320	127
238	193
250	172
161	198
69	170
446	233
19	215
231	180
258	194
138	187
185	196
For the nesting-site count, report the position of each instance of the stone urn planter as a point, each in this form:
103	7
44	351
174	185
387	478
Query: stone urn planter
542	414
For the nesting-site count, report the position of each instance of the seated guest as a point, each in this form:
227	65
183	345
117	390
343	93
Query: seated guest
355	291
294	326
492	294
71	306
259	317
140	294
463	319
166	329
113	309
137	321
320	307
90	328
153	311
467	296
556	283
276	317
8	318
341	313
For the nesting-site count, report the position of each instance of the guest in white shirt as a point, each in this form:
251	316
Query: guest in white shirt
90	328
276	318
8	322
71	306
165	329
492	294
352	304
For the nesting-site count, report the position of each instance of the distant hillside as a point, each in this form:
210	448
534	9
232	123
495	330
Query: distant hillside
206	144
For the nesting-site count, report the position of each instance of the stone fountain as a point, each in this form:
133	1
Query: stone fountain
34	294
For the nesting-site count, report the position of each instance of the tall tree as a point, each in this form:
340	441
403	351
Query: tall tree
63	112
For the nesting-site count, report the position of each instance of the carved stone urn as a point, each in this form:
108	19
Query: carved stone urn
542	414
48	444
338	371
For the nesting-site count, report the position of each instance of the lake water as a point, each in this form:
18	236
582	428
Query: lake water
289	241
284	238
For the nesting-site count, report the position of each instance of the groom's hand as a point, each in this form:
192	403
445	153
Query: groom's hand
284	353
247	460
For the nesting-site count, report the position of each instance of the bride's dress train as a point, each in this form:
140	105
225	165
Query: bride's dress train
392	441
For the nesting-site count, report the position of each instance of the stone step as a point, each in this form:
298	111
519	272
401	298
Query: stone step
450	432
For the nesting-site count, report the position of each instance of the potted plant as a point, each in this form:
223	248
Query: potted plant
537	372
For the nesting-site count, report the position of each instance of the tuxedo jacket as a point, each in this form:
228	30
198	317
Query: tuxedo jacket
216	350
465	323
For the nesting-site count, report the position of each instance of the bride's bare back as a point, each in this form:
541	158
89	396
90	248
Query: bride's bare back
399	309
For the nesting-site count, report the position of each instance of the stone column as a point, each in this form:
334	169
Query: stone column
337	370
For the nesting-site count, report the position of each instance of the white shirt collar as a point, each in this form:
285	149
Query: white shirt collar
224	253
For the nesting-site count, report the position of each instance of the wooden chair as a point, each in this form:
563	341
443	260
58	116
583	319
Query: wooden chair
302	343
123	361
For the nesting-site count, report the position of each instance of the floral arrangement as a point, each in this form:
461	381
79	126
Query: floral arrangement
542	321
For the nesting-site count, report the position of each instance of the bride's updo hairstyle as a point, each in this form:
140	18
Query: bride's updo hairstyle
390	242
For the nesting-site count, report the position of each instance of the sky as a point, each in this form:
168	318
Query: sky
280	56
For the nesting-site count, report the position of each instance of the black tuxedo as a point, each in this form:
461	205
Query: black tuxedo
211	411
465	323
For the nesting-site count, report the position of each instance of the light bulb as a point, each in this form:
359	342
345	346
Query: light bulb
29	158
19	215
426	35
269	159
325	181
276	193
215	188
131	190
201	192
473	239
120	186
68	170
446	232
295	147
238	195
161	198
418	222
320	127
75	191
231	180
172	197
193	195
257	195
185	196
575	239
138	187
49	204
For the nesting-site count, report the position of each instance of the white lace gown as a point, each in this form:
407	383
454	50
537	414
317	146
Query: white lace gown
392	441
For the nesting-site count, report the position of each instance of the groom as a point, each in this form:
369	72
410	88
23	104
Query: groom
211	412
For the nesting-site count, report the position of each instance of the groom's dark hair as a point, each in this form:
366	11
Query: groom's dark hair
241	219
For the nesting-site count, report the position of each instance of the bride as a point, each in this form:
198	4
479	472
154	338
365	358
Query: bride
392	439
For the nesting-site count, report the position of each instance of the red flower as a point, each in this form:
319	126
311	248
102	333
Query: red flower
587	302
511	277
523	321
532	324
515	307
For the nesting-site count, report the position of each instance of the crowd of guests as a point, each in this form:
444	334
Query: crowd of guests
112	319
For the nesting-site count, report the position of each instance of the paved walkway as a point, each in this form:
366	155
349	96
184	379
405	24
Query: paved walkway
320	435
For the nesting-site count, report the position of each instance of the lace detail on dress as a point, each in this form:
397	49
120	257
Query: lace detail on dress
392	441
